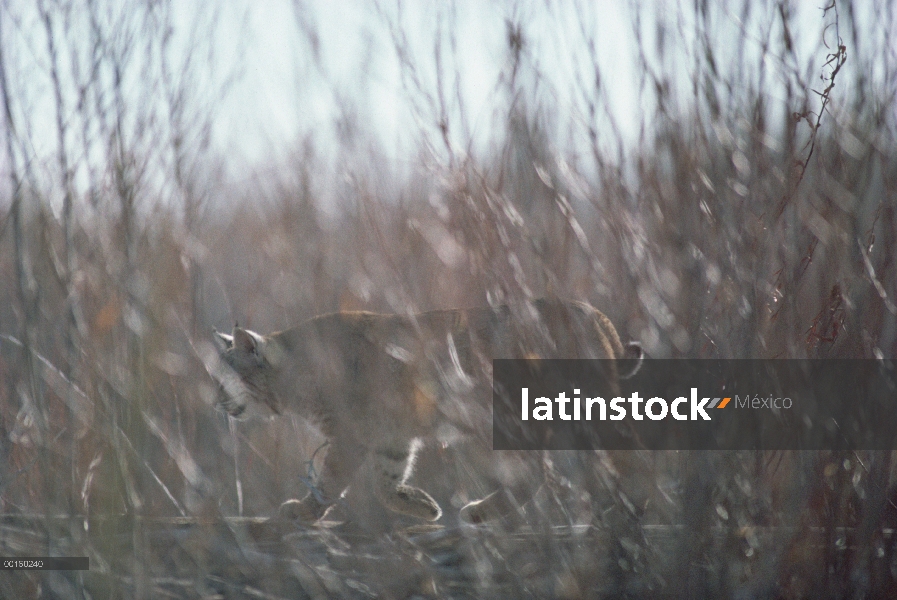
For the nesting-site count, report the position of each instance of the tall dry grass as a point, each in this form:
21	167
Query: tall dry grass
754	216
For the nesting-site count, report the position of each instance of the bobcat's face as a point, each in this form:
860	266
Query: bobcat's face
246	373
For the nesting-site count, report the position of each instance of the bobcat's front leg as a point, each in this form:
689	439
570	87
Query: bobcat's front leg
340	465
392	465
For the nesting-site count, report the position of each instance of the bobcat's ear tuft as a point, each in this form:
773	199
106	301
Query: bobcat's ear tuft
223	341
244	341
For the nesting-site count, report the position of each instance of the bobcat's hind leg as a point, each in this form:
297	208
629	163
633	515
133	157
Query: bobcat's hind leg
340	465
392	467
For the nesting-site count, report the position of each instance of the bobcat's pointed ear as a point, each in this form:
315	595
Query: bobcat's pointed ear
223	341
245	341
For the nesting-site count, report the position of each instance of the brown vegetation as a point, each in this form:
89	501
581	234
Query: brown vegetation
754	216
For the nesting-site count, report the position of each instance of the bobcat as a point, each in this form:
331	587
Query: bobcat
379	385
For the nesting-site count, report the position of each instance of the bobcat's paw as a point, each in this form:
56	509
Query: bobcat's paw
493	507
307	510
414	502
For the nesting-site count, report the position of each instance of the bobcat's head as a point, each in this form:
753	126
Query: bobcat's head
246	371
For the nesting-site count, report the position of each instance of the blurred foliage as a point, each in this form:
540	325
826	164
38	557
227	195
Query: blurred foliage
754	216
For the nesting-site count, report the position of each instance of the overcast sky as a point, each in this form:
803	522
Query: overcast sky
302	67
283	91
